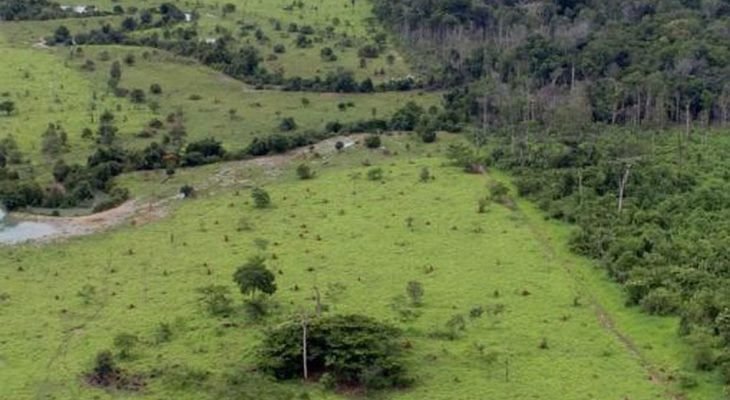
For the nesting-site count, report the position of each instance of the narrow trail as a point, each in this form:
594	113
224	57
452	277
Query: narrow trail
602	315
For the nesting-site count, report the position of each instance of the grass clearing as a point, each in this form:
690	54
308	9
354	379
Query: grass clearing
50	86
351	238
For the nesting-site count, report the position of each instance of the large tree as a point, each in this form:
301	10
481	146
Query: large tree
253	277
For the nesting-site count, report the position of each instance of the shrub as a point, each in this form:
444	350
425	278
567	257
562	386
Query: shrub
125	343
372	142
375	174
428	136
187	191
368	51
155	88
261	198
215	300
137	96
327	54
661	301
415	292
107	374
279	49
498	190
304	172
303	41
425	175
351	349
287	124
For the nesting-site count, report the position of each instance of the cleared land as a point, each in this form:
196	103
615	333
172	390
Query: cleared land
551	326
350	237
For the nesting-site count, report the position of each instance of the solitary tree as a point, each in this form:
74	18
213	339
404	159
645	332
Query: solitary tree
253	277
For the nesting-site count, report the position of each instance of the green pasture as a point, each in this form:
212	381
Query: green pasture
358	241
49	86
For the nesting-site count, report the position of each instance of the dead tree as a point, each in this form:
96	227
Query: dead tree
622	186
304	347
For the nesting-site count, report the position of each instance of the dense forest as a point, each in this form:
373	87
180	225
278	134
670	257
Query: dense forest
605	113
642	62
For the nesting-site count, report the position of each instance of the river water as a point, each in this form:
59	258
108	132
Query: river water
14	232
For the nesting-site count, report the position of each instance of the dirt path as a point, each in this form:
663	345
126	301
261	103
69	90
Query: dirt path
602	315
139	212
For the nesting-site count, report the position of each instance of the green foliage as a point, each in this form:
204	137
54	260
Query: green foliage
253	277
375	174
304	172
7	106
287	124
261	198
598	61
125	343
415	292
425	175
352	349
215	300
372	141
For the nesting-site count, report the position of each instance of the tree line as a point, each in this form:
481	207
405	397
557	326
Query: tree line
640	63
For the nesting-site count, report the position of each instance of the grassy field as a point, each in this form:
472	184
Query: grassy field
49	86
349	29
350	237
553	326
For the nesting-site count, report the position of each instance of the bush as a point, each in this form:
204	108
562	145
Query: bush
137	96
498	190
352	349
428	136
425	175
261	198
187	191
107	374
287	124
304	172
279	49
375	174
214	298
368	51
661	301
327	54
155	88
372	142
415	292
125	343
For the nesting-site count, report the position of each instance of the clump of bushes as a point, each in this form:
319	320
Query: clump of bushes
305	172
351	350
261	198
106	374
373	142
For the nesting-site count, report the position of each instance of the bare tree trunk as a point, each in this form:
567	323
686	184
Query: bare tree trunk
622	187
572	76
688	125
580	187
